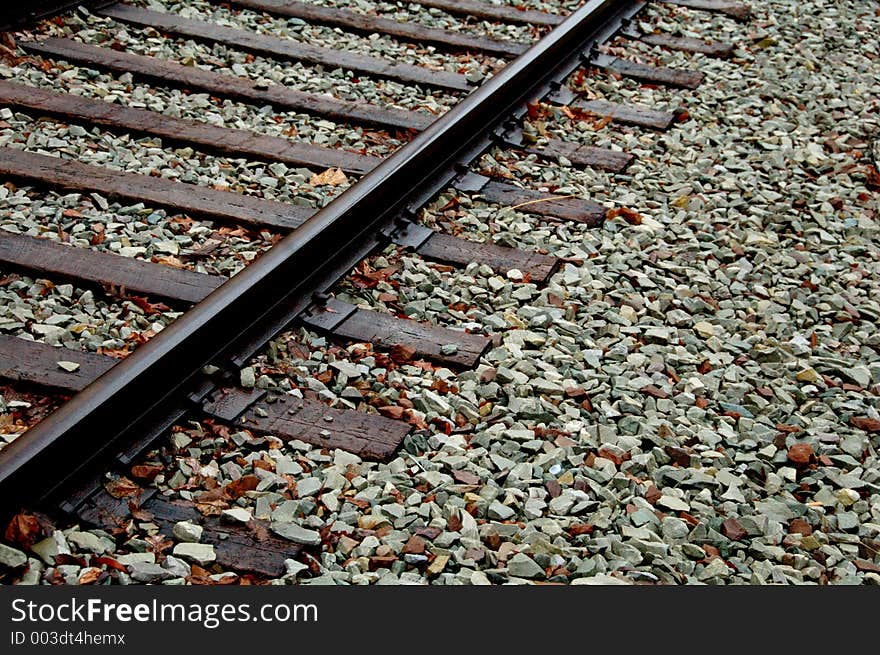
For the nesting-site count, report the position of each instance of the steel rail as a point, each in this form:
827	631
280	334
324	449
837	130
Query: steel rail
157	384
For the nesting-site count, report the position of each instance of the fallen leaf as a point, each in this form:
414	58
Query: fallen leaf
146	471
90	576
23	530
401	354
873	176
240	487
631	216
109	562
536	110
454	203
122	487
147	307
168	260
330	177
158	543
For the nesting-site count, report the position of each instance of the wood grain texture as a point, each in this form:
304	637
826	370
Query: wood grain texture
500	13
37	363
674	77
364	23
155	191
629	114
370	436
581	155
70	262
223	140
455	250
688	44
227	86
277	47
548	205
243	548
737	10
424	339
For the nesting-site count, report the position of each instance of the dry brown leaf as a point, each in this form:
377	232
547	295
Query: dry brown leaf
122	487
873	176
401	354
90	575
631	216
146	471
169	260
330	177
23	530
240	487
109	562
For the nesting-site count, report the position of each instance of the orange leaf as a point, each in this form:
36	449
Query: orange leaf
122	487
109	562
23	530
330	177
90	575
146	471
245	483
873	176
401	354
147	306
631	216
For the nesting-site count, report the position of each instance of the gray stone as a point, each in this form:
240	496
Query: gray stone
201	554
177	567
296	533
136	558
90	542
674	529
12	558
50	547
247	377
714	569
294	568
674	503
847	520
307	487
523	566
236	515
499	512
147	572
187	531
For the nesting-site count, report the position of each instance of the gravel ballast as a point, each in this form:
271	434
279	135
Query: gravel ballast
694	398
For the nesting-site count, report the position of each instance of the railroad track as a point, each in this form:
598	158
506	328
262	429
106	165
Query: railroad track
199	367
